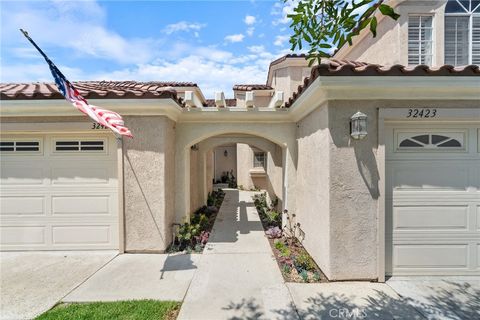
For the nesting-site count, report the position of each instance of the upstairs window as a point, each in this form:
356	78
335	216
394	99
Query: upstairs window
420	42
462	32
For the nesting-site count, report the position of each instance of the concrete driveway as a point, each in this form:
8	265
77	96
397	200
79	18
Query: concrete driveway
33	282
452	298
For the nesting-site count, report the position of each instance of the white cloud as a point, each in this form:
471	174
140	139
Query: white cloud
256	49
280	40
183	26
78	26
250	31
282	10
249	20
235	38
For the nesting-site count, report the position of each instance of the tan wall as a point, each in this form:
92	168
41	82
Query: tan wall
196	178
272	181
338	186
390	46
312	192
149	181
288	78
225	164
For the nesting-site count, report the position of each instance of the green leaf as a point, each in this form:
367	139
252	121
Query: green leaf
388	11
373	26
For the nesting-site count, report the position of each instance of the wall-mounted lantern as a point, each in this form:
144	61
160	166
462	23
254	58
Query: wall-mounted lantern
225	153
358	126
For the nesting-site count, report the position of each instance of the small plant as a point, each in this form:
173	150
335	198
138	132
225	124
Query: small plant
291	228
304	275
305	262
316	276
273	218
210	199
286	268
279	245
285	252
240	187
202	239
274	233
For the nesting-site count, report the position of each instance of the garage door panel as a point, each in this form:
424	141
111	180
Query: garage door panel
430	218
82	234
81	205
81	175
432	204
21	206
22	235
430	256
21	175
65	201
428	175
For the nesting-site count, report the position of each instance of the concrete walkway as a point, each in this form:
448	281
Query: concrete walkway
237	276
33	282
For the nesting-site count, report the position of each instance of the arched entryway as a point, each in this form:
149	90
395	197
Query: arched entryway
195	140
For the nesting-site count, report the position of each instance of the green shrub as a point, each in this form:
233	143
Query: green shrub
273	217
279	245
285	252
305	262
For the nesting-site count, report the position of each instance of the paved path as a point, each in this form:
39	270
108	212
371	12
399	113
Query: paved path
33	282
237	276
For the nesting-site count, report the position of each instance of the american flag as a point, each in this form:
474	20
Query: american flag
104	117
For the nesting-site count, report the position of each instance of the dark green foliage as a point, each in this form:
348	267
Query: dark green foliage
326	25
192	236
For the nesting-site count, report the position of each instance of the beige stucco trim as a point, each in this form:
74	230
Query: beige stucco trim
322	89
121	196
381	198
60	107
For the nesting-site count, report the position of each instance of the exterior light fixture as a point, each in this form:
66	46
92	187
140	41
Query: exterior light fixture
358	126
225	153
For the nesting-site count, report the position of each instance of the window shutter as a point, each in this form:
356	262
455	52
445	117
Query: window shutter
420	40
476	39
456	40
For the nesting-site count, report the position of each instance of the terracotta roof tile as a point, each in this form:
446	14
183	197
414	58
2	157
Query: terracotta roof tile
95	90
287	56
334	67
250	87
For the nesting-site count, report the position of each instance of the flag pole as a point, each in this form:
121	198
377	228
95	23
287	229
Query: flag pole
50	62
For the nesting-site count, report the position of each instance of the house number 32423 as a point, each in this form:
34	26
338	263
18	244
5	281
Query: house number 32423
97	126
422	113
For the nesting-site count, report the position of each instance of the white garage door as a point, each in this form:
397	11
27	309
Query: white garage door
433	199
58	192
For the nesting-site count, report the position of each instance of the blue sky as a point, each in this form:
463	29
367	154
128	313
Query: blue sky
213	43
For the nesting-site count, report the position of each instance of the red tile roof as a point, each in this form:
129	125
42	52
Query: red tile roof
250	87
334	67
94	90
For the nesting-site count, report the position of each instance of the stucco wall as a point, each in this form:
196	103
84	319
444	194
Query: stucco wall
197	164
149	181
312	192
390	46
272	180
225	163
338	186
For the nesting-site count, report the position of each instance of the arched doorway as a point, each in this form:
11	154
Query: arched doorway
207	136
